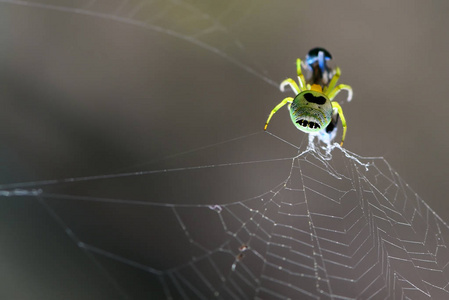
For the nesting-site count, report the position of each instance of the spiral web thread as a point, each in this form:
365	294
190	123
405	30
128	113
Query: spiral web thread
339	226
327	232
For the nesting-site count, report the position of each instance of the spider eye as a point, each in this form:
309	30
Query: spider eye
320	100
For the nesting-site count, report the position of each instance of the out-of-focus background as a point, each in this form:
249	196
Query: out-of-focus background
99	87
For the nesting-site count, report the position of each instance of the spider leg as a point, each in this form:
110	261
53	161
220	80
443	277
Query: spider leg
292	84
333	82
283	102
337	106
301	80
334	92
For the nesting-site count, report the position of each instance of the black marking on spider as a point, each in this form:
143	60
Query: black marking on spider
311	98
305	123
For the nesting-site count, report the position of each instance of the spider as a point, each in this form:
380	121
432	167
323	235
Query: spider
313	110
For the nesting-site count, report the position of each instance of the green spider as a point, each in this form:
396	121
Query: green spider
312	110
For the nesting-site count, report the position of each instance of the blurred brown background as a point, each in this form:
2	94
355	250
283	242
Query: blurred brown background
117	84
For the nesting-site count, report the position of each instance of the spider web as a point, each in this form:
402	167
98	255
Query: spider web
203	224
337	226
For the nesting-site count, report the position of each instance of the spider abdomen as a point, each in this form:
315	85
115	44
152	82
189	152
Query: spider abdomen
311	111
